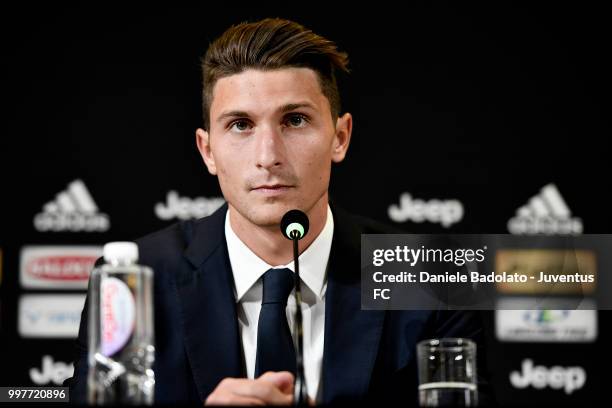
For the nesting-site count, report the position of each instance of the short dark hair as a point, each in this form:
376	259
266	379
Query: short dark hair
270	44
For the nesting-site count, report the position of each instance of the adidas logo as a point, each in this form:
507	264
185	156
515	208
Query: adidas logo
445	212
72	210
185	208
545	213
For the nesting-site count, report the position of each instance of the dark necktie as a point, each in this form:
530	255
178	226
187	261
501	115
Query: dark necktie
275	350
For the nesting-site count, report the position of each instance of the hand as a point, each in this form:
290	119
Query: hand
271	388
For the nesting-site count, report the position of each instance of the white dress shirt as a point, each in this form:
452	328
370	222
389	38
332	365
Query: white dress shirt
248	269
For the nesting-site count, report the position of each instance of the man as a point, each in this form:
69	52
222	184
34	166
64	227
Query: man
272	129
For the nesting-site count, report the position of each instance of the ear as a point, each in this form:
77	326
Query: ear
203	142
342	138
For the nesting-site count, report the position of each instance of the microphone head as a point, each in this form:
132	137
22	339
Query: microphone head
294	224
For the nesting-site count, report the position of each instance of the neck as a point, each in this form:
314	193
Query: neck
268	243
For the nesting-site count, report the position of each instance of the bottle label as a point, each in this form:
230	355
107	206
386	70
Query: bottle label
118	315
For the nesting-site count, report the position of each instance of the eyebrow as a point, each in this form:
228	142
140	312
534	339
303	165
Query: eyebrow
232	114
293	106
284	109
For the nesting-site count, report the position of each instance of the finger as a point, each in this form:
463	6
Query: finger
233	399
286	387
282	379
264	390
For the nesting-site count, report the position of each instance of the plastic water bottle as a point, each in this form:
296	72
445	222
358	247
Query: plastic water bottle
121	344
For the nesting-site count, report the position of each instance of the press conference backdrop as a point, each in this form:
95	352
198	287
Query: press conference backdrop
467	120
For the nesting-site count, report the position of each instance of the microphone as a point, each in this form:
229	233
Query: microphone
294	226
294	222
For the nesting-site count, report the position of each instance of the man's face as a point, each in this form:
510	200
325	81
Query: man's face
271	142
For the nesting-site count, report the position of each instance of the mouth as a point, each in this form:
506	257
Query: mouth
272	189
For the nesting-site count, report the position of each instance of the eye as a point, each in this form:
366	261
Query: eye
240	125
296	120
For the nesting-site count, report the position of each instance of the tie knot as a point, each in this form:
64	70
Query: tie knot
277	285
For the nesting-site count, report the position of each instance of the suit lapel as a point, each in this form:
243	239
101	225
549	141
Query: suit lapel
351	335
206	294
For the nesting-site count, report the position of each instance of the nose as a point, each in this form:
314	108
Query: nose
269	150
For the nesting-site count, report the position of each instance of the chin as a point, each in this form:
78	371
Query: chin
269	214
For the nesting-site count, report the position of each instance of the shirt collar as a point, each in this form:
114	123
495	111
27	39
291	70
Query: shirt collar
247	267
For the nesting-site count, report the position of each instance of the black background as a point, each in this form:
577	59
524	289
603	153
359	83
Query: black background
484	104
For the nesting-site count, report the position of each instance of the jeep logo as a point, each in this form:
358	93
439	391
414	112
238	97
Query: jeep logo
51	372
569	379
444	212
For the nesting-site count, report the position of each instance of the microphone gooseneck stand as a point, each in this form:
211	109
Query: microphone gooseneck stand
300	395
294	226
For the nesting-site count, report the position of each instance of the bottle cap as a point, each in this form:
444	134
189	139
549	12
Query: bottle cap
123	252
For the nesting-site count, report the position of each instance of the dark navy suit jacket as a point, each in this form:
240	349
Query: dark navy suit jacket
367	354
